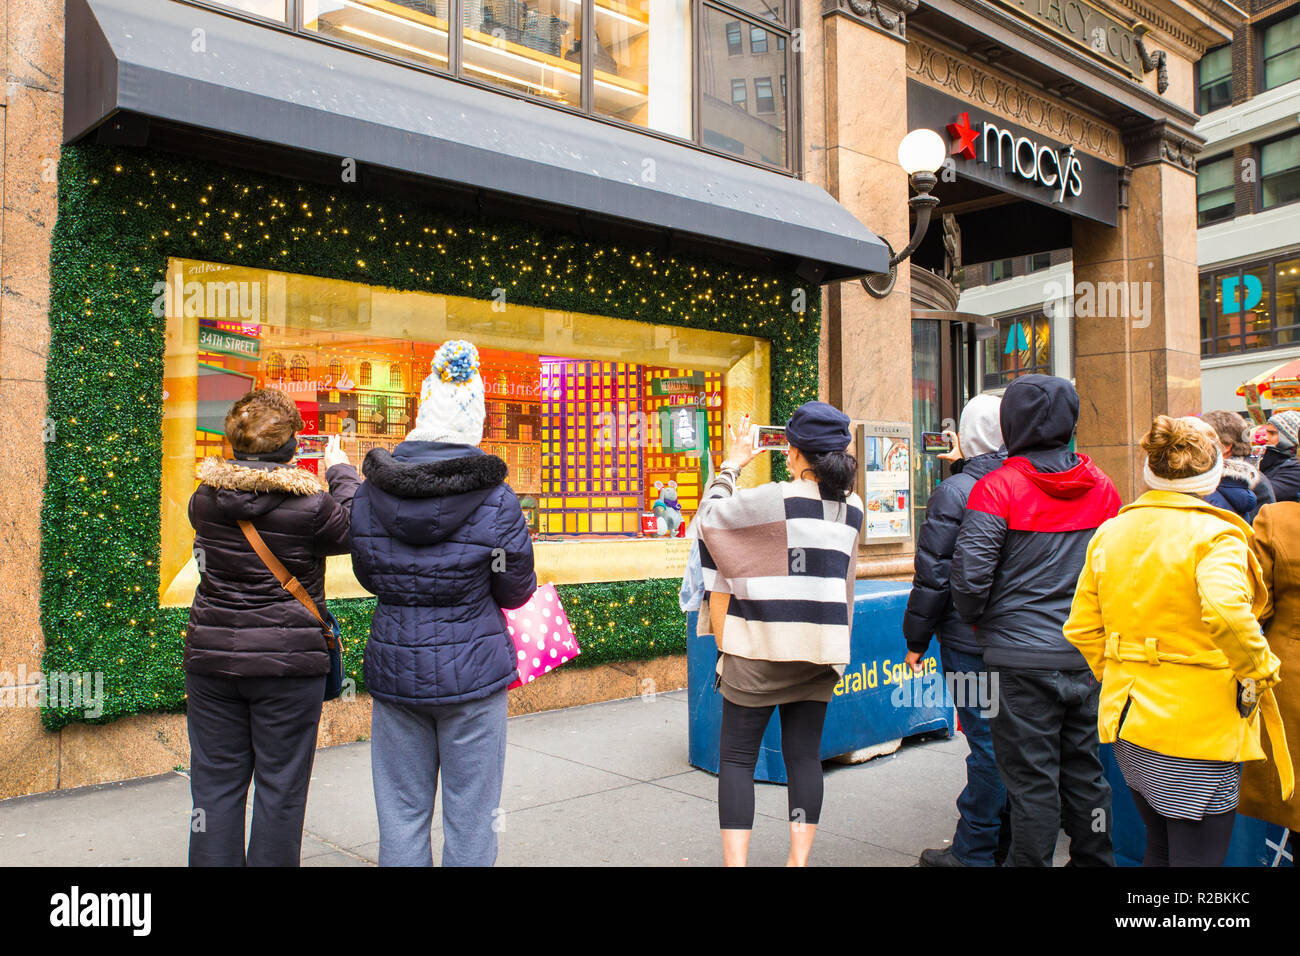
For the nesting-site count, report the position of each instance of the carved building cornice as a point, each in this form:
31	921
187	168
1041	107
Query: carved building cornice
884	16
1056	118
1163	143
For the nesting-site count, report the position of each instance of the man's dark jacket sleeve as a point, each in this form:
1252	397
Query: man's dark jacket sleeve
930	600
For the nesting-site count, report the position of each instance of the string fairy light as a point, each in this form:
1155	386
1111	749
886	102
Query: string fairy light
123	214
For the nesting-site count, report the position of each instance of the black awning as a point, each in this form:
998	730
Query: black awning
270	86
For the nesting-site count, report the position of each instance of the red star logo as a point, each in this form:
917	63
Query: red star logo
963	137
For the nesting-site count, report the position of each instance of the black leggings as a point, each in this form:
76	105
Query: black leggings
801	741
1174	842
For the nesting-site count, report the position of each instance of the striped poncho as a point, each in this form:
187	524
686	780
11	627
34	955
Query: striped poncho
786	559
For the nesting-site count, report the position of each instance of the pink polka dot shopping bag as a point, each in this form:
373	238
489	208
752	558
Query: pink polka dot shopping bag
542	635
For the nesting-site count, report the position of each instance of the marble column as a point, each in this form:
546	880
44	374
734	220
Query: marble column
31	111
1137	345
854	94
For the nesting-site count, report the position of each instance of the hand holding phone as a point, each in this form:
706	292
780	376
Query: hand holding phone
334	453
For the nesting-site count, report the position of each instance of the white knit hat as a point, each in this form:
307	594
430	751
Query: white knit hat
451	398
980	431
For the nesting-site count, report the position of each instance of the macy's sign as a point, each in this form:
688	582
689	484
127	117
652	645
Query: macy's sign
1058	170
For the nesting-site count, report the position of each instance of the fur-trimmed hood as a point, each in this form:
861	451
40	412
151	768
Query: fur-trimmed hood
433	479
424	491
231	476
1242	470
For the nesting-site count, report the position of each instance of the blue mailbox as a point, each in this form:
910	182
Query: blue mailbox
877	700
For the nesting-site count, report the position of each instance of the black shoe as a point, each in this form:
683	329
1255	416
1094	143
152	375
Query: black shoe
942	857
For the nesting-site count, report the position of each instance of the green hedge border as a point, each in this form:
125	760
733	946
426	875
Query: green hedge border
122	213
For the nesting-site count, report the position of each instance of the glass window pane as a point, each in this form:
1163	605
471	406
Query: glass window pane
1282	52
774	10
1286	277
271	9
642	60
748	131
413	30
757	40
764	102
1206	296
1216	65
529	48
1279	167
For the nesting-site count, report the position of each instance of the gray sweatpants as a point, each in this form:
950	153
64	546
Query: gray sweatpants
409	747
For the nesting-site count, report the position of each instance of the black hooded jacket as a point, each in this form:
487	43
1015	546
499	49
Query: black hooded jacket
1027	526
242	623
1283	471
929	606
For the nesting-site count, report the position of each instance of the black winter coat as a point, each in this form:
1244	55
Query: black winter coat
929	606
242	622
1283	472
439	538
1026	530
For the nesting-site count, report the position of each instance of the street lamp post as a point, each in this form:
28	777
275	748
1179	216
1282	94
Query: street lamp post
921	154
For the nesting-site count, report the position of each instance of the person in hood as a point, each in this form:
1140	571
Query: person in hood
1166	614
980	839
1015	563
256	659
1242	489
440	540
1279	464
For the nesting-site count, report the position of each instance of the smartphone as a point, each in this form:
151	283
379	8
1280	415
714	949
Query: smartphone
935	443
312	446
770	438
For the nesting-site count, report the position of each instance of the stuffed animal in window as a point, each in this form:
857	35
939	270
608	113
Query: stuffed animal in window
667	512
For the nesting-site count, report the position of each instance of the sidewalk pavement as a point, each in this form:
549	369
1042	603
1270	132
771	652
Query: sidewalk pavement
605	784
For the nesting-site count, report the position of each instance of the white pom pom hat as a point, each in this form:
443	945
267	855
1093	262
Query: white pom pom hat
452	409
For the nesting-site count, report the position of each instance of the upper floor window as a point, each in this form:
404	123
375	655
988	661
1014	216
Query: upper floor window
1279	171
1281	51
1215	191
1039	261
734	45
764	101
738	93
1000	269
640	54
1214	80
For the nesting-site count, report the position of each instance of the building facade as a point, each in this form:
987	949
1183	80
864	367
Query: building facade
652	216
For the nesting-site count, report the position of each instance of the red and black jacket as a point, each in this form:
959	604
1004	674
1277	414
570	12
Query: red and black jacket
1026	530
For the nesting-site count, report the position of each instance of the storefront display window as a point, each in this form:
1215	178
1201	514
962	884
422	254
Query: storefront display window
1250	307
1022	346
609	427
414	30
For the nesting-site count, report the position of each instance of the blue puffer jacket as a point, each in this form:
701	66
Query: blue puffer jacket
440	540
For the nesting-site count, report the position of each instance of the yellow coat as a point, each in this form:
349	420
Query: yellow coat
1166	615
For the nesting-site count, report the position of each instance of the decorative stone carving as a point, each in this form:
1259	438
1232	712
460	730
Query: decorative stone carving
886	16
1162	143
951	72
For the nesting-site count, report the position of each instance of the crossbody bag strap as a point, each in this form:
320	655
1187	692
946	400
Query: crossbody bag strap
287	580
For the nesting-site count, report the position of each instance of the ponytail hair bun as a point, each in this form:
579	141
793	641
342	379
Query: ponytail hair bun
1179	447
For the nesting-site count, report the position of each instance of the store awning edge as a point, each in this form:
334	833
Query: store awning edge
131	56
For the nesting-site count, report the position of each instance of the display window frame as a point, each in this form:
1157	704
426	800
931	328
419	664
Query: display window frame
593	493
